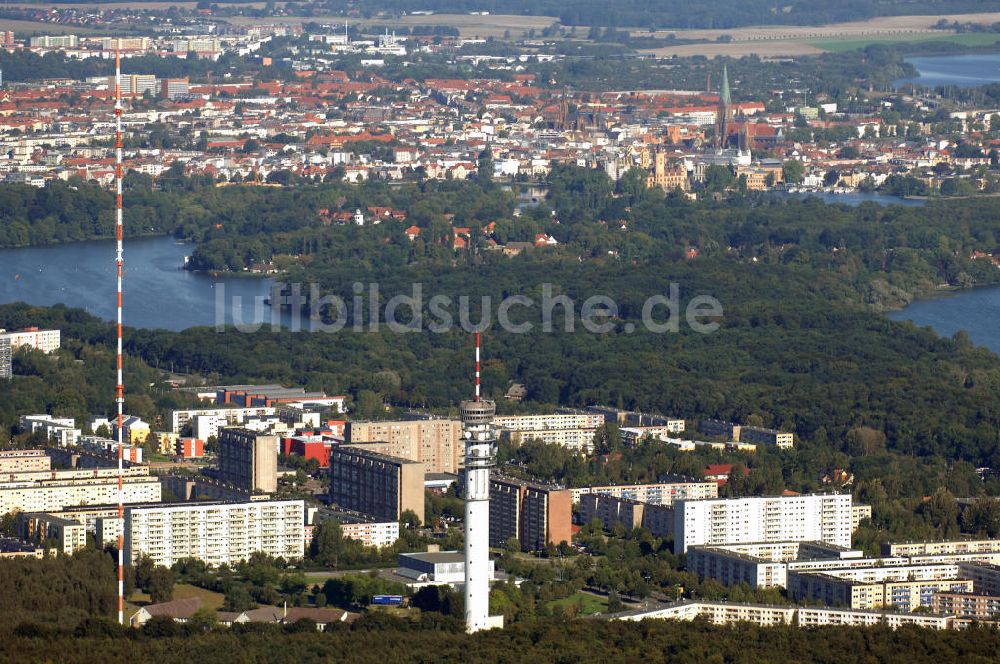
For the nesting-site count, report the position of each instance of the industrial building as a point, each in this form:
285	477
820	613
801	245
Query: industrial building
375	484
437	567
248	460
217	533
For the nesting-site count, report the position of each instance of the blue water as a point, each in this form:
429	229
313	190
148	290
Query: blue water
976	311
964	71
857	198
157	293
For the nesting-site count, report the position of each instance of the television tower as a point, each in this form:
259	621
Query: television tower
120	385
480	455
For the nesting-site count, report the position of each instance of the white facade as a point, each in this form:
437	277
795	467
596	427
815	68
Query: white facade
663	493
230	416
217	533
54	495
43	340
375	533
60	430
815	518
574	431
724	613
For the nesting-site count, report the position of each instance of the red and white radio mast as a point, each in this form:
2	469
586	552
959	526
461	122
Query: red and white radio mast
120	385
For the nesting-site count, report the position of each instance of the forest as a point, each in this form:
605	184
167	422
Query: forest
676	14
383	638
801	344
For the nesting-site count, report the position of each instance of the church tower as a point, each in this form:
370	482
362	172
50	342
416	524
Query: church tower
724	114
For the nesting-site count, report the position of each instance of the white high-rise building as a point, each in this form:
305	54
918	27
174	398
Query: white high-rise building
813	518
217	533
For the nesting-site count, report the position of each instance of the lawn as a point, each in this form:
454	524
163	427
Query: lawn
209	599
852	43
589	604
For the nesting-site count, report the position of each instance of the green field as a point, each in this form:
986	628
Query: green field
24	28
965	39
589	604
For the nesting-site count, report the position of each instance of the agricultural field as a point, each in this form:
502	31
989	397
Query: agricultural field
492	25
965	39
788	41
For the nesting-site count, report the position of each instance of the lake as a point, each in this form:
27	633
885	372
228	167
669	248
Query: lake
976	311
157	292
964	71
856	198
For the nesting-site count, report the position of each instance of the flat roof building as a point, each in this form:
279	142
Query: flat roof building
660	493
439	567
16	461
536	514
436	443
714	522
378	485
216	533
248	460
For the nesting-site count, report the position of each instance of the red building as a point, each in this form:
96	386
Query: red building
308	447
191	448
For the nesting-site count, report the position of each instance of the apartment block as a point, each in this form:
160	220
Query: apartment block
727	430
823	518
135	84
216	533
609	510
248	460
436	443
766	565
632	436
966	605
984	576
55	494
174	88
377	485
61	431
573	431
18	461
367	530
54	41
6	360
662	493
944	547
46	341
224	416
905	594
65	535
858	514
536	514
761	436
728	613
